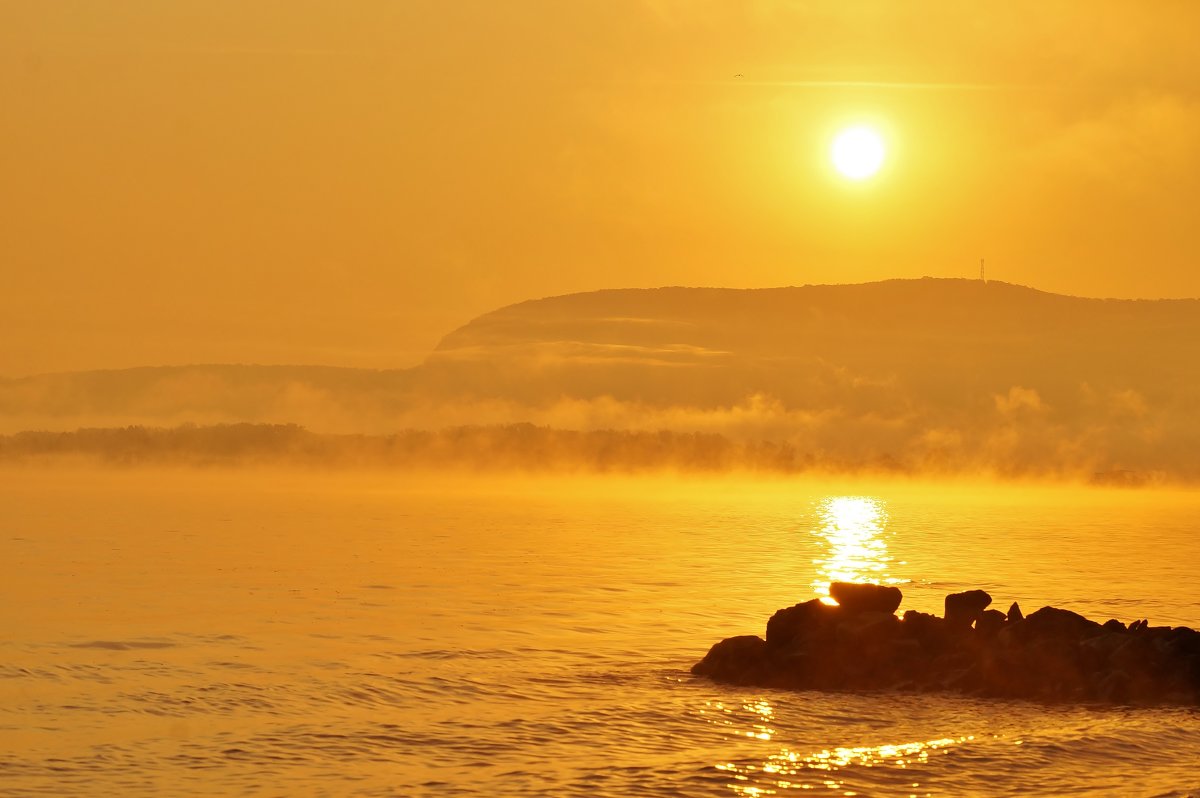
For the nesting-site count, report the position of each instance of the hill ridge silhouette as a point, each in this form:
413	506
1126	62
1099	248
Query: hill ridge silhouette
946	370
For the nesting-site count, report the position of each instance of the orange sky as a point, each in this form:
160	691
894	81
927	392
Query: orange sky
343	183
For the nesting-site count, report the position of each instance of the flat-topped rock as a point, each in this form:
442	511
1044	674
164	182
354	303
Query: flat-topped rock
855	597
1052	654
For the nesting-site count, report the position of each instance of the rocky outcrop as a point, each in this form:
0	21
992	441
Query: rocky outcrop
963	609
854	597
1050	655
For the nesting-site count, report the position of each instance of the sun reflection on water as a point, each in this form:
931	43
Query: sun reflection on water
792	770
852	535
824	769
761	712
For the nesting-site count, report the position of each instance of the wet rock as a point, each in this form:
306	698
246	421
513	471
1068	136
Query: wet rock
1058	623
1114	688
855	598
1131	653
869	623
928	630
963	680
1185	642
799	623
1050	655
963	609
869	631
990	622
1096	652
738	660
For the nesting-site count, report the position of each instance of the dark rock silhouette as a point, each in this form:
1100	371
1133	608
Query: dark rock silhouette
990	621
1052	654
855	598
1015	614
963	609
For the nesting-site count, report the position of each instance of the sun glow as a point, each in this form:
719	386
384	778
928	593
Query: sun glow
857	152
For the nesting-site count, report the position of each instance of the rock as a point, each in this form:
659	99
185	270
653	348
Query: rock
932	632
963	680
963	609
1132	654
1185	641
1113	625
855	597
1114	688
1054	622
869	629
1015	614
739	660
799	623
990	622
1097	651
907	649
1051	655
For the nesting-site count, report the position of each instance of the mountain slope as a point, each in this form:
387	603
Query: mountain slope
940	374
946	341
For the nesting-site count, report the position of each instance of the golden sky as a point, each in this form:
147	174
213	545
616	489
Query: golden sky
344	182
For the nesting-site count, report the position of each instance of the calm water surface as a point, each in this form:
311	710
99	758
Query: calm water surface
299	634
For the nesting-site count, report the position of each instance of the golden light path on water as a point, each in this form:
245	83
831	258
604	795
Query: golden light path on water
795	770
852	537
853	542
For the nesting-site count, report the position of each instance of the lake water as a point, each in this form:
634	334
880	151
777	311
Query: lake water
245	633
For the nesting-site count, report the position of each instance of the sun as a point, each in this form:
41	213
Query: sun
857	152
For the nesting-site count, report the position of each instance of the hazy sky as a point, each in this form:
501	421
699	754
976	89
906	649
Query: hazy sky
344	182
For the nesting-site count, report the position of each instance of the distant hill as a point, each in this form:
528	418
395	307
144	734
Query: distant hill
939	374
953	343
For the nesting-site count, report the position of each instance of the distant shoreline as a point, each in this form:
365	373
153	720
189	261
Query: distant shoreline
504	447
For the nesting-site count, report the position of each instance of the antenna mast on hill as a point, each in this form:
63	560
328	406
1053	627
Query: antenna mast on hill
981	277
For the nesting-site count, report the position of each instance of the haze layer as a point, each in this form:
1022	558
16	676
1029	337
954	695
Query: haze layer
942	374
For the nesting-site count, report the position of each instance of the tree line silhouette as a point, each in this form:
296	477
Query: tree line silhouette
518	446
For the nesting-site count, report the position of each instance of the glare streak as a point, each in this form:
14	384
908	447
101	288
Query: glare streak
829	762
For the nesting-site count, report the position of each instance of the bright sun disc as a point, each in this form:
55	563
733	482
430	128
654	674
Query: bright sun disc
857	152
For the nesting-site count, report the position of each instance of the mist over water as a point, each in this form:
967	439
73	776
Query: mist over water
279	632
930	377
